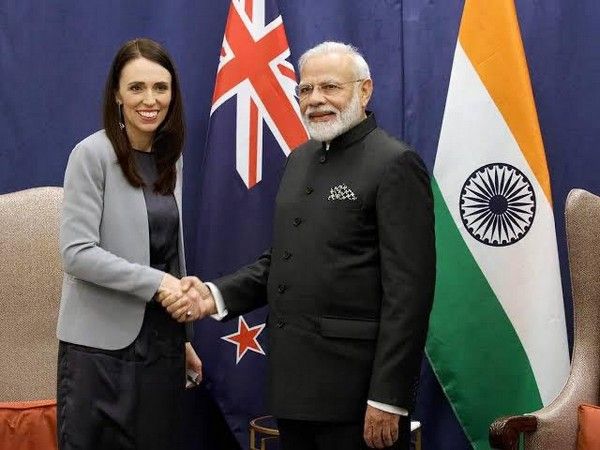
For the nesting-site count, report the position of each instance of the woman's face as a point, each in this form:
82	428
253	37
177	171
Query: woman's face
145	93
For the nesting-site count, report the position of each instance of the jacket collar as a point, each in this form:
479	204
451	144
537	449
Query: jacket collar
355	133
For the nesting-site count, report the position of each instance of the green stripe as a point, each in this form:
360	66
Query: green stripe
472	346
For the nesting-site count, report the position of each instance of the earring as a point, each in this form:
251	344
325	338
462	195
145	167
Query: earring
121	121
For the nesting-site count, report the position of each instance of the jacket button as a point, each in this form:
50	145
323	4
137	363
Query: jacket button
297	221
309	190
322	159
287	255
281	288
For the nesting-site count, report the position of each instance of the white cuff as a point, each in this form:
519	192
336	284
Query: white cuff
388	408
219	302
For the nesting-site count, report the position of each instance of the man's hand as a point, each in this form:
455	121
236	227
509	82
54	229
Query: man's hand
381	428
185	308
191	301
207	303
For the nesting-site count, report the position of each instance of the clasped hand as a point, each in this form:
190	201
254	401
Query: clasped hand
187	299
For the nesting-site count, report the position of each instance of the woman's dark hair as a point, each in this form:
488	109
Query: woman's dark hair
168	138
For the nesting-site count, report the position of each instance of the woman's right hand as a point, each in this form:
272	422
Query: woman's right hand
169	292
169	285
182	306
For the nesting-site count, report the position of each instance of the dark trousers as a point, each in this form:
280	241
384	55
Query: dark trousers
309	435
124	399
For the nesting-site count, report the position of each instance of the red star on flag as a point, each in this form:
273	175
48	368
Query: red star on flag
245	339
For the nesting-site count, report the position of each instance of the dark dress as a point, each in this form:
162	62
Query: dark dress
130	398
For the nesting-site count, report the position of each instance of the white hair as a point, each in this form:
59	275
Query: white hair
360	65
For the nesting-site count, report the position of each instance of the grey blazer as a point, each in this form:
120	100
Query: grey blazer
104	242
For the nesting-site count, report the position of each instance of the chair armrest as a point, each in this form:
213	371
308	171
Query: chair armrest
505	431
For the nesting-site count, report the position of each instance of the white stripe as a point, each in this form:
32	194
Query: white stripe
259	144
524	276
258	13
288	86
242	130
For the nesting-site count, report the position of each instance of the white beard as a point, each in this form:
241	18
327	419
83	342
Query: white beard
344	120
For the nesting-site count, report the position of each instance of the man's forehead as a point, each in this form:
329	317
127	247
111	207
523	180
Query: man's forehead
327	66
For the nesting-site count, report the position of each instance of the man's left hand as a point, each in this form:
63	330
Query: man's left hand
381	428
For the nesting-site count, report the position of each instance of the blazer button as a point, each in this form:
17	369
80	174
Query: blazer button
281	288
297	221
287	255
309	190
322	159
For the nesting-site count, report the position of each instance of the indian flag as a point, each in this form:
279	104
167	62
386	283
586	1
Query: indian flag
497	339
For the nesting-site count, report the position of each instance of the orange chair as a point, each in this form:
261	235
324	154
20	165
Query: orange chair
555	426
30	284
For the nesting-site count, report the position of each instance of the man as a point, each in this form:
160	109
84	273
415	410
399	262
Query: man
350	275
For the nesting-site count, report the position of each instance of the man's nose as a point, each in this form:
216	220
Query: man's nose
315	97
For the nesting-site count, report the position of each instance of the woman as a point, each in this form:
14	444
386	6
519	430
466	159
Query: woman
122	356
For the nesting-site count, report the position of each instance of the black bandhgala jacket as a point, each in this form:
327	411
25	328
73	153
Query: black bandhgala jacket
349	278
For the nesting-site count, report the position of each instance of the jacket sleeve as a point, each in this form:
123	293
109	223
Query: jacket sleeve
82	255
407	251
246	289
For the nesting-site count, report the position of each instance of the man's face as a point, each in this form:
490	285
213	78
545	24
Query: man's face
334	99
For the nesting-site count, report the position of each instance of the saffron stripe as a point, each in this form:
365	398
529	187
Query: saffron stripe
490	36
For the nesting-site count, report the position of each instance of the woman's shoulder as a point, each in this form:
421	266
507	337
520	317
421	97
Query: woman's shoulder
95	146
98	141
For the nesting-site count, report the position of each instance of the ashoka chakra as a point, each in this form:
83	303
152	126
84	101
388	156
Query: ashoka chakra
497	204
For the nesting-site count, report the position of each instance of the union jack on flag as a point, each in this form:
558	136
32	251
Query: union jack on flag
242	165
253	66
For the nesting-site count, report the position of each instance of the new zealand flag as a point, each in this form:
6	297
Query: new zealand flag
255	123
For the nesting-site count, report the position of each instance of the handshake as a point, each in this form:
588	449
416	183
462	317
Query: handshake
187	299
